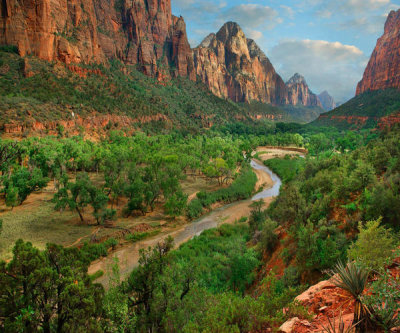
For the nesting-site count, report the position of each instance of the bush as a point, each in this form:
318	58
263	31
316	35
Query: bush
111	242
287	168
374	246
383	302
194	209
137	236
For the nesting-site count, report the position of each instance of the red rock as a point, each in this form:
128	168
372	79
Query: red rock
288	326
299	93
383	70
234	67
140	32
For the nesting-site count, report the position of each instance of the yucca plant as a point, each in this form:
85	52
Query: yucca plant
353	278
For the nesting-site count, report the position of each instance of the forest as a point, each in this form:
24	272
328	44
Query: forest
215	282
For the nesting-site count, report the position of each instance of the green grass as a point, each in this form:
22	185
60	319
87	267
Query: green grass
39	225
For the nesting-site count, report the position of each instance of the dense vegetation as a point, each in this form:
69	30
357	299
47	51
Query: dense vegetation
287	168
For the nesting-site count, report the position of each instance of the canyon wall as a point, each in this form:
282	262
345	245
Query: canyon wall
146	34
383	70
142	32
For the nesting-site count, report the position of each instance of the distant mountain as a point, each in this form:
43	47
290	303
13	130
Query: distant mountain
327	101
299	93
383	70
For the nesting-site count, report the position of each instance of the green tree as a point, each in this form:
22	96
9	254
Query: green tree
21	183
80	194
176	204
374	247
48	291
144	281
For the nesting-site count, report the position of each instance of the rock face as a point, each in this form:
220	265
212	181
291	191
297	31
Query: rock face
299	93
142	32
146	34
383	70
234	67
327	101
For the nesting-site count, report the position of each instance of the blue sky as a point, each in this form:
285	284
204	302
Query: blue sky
327	41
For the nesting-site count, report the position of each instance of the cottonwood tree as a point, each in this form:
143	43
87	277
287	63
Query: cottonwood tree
80	194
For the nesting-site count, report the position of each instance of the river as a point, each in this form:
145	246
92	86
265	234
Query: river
128	256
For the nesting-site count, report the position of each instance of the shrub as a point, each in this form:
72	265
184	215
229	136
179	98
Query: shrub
383	302
137	236
111	242
374	246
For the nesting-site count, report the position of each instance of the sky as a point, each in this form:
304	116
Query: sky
329	42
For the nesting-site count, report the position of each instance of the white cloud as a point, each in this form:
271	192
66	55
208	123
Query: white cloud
288	11
254	34
330	66
251	16
372	24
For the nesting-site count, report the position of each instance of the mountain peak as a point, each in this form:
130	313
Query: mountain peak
229	30
296	79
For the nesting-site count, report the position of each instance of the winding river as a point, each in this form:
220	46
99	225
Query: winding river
128	256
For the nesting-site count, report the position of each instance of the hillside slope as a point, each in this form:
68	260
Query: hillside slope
368	110
39	96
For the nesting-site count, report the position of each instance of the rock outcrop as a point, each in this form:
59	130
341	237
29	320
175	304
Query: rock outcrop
234	67
142	32
383	70
299	93
327	101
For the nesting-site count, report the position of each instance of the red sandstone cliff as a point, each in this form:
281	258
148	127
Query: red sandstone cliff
142	32
234	67
383	70
146	34
299	93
